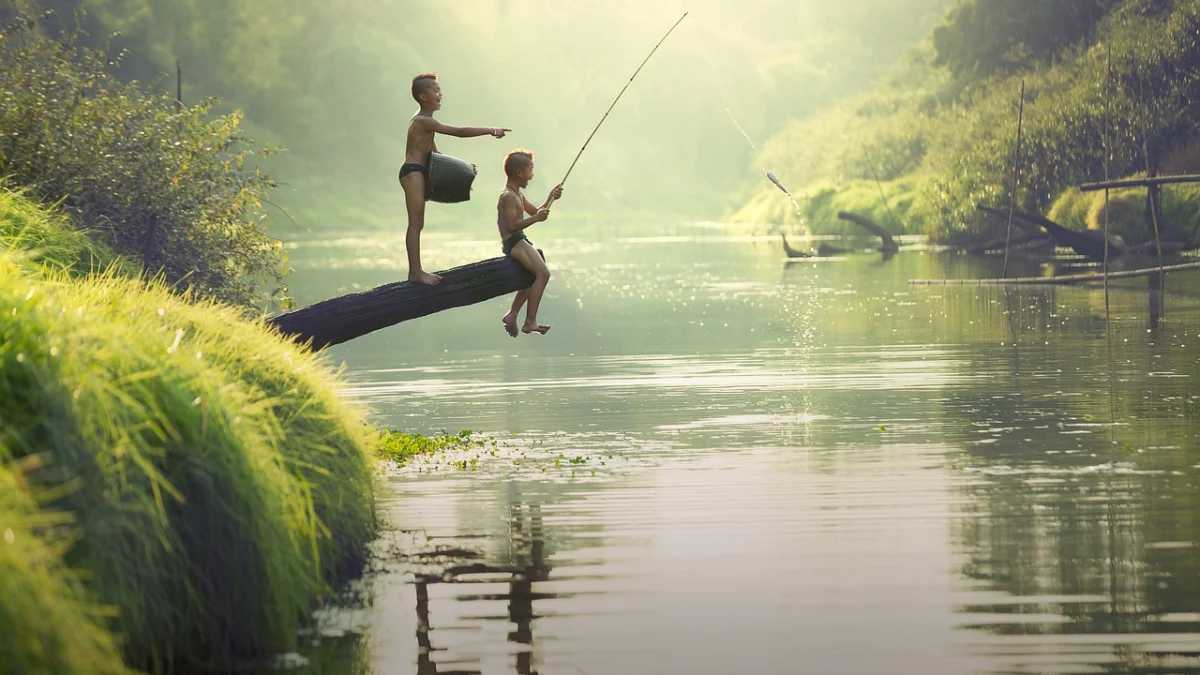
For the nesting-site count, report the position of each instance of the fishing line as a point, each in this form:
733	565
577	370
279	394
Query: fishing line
725	102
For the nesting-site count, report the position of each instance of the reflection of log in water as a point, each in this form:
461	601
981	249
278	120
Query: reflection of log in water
526	566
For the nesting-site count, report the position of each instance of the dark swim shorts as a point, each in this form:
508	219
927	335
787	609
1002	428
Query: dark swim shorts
411	167
513	241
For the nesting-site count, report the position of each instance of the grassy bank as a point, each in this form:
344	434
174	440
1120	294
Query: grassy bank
216	484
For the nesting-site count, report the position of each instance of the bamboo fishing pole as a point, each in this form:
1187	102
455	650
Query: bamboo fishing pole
614	104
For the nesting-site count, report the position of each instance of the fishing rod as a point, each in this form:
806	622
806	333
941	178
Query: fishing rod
614	103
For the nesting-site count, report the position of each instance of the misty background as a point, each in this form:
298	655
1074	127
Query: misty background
330	80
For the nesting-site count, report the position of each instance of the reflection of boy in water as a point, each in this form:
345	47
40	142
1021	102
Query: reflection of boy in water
428	93
518	166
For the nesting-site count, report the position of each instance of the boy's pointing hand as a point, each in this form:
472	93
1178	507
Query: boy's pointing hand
499	132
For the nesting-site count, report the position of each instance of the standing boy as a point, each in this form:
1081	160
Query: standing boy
428	93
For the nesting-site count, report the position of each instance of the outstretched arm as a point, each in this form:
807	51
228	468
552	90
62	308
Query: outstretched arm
512	213
466	132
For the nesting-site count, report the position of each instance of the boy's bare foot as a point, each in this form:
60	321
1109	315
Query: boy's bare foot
424	278
535	328
510	324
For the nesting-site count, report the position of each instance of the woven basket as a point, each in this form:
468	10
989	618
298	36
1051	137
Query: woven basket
449	180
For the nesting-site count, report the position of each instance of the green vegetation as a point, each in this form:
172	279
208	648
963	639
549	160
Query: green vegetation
169	186
400	447
47	624
217	484
50	240
940	129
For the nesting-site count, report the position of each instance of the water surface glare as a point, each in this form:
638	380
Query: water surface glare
718	462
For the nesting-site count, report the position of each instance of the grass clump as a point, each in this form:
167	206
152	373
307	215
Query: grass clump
218	483
51	240
1179	212
47	623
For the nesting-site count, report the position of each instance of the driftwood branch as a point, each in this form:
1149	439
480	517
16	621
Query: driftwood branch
887	243
346	317
1139	182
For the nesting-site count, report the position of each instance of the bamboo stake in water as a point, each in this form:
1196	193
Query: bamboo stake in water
614	103
1012	198
1107	155
1151	191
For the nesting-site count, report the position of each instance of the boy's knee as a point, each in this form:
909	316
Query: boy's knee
543	274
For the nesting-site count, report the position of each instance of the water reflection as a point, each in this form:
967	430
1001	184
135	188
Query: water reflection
724	463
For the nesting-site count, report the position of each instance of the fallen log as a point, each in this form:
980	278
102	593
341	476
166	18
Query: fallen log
791	252
887	244
1088	243
346	317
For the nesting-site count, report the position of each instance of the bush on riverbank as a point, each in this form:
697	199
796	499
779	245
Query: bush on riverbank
218	484
165	184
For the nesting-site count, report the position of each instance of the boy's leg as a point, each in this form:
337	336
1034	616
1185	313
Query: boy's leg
414	198
510	319
527	255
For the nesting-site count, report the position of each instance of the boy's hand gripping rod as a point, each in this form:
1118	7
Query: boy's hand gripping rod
614	103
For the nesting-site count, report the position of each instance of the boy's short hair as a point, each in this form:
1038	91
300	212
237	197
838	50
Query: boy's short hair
516	160
421	83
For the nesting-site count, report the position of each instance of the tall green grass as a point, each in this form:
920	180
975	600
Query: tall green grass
47	624
218	483
1179	211
49	239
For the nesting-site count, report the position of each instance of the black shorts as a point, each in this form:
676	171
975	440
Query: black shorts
512	241
411	167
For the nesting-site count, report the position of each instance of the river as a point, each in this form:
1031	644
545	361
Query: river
718	462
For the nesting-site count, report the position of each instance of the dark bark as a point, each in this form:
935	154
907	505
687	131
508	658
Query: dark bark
998	244
346	317
887	244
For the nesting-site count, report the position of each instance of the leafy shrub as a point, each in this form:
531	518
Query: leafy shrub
163	183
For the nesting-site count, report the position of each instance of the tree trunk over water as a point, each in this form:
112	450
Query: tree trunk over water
346	317
887	244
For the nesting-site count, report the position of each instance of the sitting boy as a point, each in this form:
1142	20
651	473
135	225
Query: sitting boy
518	167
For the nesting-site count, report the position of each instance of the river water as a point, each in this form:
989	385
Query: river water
718	462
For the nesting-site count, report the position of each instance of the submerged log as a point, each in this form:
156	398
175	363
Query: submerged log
998	244
887	244
791	252
346	317
1088	243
